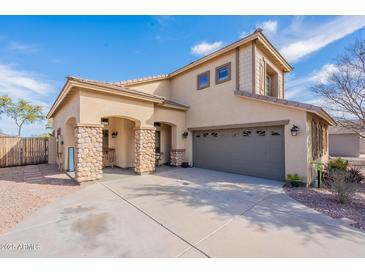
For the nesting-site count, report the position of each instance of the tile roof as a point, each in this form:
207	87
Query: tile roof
142	79
289	103
164	100
257	34
114	86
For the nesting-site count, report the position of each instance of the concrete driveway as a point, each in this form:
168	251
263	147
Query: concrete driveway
181	213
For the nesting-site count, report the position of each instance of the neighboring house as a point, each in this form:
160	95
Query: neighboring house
225	111
344	142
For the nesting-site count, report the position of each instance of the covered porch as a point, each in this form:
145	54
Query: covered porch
100	125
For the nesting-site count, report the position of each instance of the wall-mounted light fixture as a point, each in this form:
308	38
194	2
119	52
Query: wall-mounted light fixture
114	134
294	130
185	134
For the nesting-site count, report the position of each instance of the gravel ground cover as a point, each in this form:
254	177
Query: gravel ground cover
24	189
324	201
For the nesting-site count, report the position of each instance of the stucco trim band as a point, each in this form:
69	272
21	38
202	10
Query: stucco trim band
88	125
246	125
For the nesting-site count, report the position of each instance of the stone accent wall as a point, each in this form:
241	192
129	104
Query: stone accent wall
145	158
88	152
177	157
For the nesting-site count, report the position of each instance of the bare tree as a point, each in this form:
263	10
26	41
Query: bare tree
344	90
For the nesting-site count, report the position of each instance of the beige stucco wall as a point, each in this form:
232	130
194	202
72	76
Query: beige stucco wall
64	119
94	106
346	145
160	87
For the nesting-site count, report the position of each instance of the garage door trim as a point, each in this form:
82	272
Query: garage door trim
245	125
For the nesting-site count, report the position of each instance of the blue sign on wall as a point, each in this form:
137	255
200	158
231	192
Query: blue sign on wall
71	159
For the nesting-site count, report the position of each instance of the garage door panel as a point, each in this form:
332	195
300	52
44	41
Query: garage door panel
254	152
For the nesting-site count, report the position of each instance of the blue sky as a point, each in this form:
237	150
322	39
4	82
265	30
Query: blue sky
38	52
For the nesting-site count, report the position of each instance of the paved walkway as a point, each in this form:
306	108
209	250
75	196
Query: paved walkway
181	213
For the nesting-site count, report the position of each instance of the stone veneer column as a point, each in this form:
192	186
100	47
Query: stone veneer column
177	157
88	152
145	157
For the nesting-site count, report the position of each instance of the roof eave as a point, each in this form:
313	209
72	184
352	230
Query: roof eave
269	45
245	40
313	109
73	82
215	54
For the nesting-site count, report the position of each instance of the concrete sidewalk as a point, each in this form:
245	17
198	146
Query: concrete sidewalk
182	213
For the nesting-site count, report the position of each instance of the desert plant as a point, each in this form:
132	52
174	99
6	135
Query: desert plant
327	179
341	187
294	179
354	175
338	164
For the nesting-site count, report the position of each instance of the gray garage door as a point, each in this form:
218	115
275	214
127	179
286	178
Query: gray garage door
255	152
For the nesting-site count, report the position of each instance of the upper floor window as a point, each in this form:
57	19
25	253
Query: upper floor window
203	80
223	73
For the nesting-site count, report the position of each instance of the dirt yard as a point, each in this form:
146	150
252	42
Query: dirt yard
25	189
324	201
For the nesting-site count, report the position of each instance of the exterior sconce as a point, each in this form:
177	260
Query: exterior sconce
185	134
114	134
294	130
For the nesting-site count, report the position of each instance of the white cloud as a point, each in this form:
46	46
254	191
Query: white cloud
27	85
22	84
269	26
323	75
21	47
310	40
205	48
299	88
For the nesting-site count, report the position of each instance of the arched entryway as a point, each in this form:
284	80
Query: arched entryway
168	139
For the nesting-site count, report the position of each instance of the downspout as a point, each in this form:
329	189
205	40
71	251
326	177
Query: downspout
237	55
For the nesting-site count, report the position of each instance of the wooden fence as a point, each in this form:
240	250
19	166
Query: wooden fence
15	151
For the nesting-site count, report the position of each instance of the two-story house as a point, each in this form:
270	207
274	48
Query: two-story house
225	111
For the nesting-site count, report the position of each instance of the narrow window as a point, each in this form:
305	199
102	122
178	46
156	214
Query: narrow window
157	141
203	80
223	73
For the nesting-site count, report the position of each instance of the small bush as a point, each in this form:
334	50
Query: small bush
295	179
343	189
338	164
354	175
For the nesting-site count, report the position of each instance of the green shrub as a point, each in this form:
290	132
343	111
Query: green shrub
338	164
343	189
295	179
